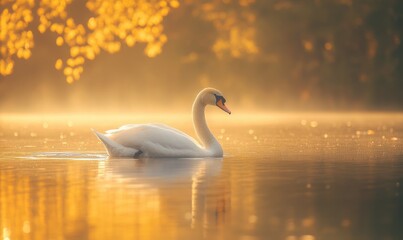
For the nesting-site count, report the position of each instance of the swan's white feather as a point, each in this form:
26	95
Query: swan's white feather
156	140
159	140
158	125
115	149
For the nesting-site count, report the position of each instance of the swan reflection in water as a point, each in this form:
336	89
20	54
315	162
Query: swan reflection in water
154	176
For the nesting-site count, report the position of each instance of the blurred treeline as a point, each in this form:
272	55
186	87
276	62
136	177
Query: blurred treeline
264	54
322	54
352	54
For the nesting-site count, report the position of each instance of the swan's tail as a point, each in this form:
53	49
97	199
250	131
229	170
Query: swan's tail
115	149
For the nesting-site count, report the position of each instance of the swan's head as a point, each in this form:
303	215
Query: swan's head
211	96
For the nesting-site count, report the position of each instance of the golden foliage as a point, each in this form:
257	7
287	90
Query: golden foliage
113	23
234	22
15	39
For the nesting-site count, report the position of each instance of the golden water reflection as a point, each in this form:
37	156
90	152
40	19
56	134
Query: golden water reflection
280	178
97	199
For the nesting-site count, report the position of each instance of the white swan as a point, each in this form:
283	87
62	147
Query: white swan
158	140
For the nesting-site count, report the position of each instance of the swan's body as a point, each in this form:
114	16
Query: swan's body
158	140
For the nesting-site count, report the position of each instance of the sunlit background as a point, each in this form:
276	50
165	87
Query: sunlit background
312	151
267	55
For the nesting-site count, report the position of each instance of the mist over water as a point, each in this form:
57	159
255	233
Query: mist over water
304	176
313	148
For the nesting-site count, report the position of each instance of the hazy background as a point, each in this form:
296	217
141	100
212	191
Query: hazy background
296	55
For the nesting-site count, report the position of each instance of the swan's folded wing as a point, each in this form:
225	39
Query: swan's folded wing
166	127
141	136
157	125
122	128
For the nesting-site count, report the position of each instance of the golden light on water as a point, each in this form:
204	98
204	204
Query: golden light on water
303	159
61	185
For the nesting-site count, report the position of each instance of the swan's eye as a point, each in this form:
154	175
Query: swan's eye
218	98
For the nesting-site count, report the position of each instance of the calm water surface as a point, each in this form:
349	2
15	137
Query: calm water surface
289	177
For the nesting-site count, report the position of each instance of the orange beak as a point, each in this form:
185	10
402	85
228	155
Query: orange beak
221	105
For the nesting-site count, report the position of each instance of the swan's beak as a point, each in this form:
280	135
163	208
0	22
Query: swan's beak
221	105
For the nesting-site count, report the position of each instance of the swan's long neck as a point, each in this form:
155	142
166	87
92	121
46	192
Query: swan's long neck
203	132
